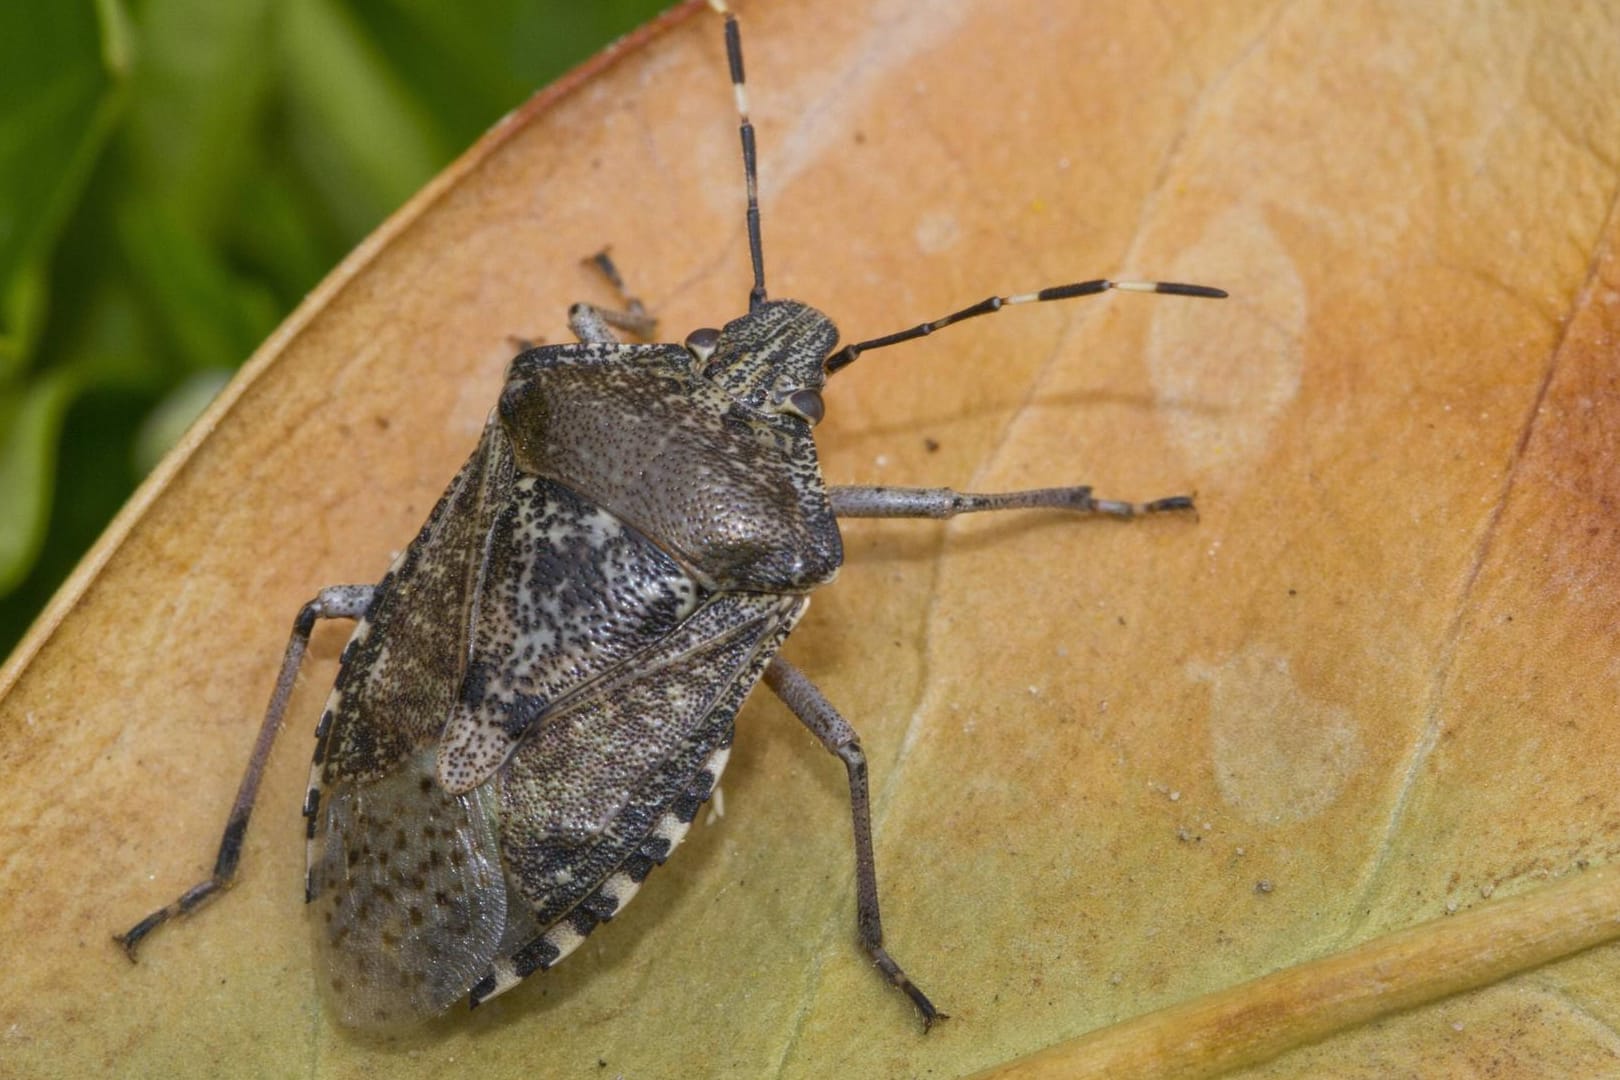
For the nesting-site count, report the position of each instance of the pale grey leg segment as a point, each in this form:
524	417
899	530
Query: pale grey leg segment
336	602
890	502
634	318
590	325
593	324
834	732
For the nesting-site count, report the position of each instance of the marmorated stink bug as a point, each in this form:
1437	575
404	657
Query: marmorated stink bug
540	693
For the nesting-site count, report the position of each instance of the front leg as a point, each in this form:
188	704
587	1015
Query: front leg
335	602
592	324
890	502
816	713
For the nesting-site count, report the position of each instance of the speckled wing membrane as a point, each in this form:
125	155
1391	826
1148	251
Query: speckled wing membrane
408	894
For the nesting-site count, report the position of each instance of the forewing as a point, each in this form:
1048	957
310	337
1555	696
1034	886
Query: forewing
567	592
404	878
405	662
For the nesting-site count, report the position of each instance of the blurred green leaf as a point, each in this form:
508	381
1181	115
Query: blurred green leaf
203	83
29	423
62	100
471	63
25	303
351	121
63	68
212	318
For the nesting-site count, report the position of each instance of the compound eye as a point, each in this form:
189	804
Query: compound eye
702	343
807	404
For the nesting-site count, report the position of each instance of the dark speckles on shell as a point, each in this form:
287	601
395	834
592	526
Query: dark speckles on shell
568	592
636	432
582	765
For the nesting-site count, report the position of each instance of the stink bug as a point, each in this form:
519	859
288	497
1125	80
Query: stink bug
540	693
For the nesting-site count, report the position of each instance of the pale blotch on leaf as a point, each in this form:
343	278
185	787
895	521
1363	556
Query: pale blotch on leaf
1250	367
1280	755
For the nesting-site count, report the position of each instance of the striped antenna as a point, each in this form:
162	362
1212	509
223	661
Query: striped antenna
756	295
847	355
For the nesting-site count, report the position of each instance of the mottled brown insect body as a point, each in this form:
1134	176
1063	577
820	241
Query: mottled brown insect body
580	709
541	691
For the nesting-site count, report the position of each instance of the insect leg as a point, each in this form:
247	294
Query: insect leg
818	714
591	323
336	602
875	502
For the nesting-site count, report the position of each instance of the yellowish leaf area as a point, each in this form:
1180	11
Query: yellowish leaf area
1321	783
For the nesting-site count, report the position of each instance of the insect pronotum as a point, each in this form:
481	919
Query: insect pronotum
541	691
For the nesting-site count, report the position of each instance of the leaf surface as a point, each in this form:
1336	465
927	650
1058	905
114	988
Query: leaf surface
1350	729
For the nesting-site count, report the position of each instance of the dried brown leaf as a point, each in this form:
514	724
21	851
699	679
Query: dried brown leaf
1124	772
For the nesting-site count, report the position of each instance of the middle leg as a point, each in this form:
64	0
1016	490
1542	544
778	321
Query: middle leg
889	502
817	713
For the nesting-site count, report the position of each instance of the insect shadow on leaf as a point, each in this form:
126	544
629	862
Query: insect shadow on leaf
541	691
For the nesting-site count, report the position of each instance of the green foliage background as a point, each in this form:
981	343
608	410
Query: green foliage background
175	175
